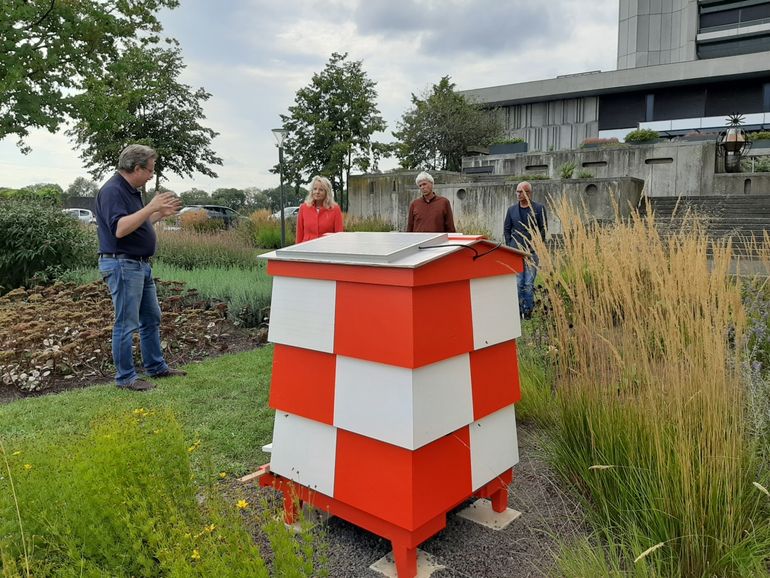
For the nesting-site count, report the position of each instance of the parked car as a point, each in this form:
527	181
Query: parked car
288	213
228	216
83	215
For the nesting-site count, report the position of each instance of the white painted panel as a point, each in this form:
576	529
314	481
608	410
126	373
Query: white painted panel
443	399
304	451
495	310
302	313
374	400
494	446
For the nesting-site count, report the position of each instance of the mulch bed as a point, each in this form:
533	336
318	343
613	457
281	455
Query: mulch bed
58	338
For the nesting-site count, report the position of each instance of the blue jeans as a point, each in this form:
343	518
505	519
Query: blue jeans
526	283
136	309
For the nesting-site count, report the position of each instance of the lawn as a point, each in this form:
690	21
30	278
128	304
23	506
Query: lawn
221	403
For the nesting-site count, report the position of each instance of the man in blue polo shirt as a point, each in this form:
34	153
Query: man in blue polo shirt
126	243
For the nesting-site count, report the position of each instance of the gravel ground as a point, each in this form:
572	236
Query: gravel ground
525	548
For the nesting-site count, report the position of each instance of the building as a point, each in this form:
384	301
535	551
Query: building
683	66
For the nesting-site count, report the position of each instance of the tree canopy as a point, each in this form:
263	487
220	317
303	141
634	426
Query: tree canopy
46	47
331	125
439	127
139	99
82	187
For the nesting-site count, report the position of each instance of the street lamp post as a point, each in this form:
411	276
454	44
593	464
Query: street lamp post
280	134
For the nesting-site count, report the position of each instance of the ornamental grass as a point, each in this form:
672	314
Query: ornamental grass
649	342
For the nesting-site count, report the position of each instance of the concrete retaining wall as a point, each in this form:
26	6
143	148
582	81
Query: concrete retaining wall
668	169
481	206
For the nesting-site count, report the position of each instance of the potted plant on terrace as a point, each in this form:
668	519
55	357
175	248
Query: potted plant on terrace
508	146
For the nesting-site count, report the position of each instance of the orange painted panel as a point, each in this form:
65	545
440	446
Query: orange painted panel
400	486
303	383
442	475
362	274
494	378
375	477
374	322
461	265
443	323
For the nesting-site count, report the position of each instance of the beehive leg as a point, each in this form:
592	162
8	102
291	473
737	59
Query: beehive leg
405	558
499	500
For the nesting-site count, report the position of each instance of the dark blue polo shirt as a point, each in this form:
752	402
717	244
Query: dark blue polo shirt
117	199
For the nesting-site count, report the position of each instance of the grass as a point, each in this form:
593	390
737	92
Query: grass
103	482
649	414
221	405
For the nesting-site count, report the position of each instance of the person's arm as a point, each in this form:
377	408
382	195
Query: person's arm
161	206
449	219
541	222
300	224
410	220
507	226
338	226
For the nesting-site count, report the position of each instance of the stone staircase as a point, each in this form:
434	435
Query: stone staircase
736	217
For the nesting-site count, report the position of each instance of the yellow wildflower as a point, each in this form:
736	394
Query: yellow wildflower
210	528
223	475
195	555
242	504
27	467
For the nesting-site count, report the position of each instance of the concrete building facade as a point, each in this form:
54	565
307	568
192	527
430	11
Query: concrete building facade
683	66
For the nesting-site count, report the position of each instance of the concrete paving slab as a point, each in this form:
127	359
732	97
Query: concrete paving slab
482	513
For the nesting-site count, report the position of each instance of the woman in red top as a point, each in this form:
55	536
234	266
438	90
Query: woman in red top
319	214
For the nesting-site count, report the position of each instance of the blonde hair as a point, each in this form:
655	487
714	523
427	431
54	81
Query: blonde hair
327	186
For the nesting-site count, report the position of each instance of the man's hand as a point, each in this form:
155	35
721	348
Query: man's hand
163	205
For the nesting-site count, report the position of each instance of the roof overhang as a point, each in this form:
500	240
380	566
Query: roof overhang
743	66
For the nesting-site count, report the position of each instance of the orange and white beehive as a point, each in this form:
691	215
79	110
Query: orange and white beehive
394	381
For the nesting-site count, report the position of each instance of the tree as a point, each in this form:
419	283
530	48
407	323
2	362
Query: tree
195	197
138	99
82	187
438	129
233	198
292	196
46	47
331	126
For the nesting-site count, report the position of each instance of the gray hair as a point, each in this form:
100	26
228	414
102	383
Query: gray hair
135	155
423	176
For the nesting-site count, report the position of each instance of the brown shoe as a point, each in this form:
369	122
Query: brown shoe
171	373
138	385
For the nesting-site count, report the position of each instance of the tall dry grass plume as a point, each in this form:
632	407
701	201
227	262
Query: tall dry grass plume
649	330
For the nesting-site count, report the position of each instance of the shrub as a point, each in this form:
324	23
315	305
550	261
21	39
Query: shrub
259	230
120	501
471	225
38	243
585	175
513	140
200	222
642	135
759	135
372	224
566	170
599	141
190	249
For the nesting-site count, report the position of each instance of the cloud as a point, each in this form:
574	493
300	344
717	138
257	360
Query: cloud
253	56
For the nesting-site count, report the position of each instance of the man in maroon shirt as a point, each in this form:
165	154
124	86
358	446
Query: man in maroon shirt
430	213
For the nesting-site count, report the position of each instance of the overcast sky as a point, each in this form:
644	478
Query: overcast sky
253	56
